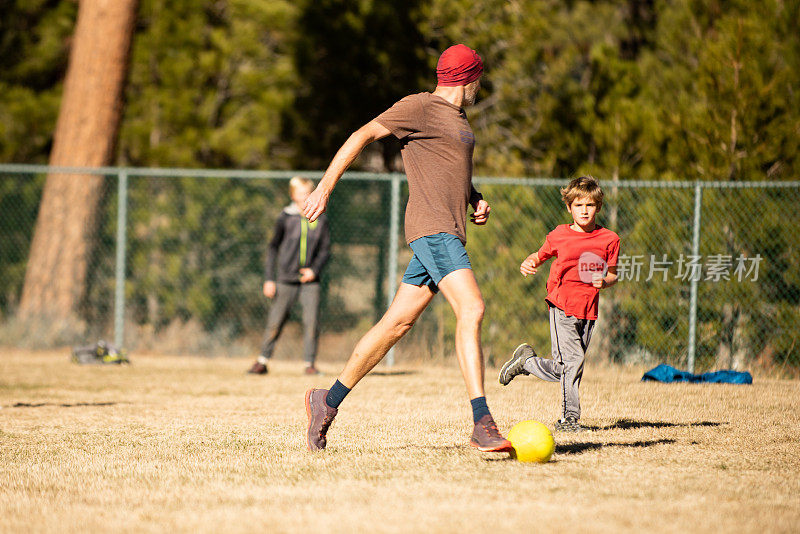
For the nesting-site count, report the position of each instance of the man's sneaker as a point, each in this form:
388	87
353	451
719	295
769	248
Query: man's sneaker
514	366
311	370
486	437
320	417
258	368
569	424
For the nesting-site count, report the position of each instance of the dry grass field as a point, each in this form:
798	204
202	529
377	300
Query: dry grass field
180	444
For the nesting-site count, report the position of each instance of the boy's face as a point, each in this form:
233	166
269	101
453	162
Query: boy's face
583	211
299	194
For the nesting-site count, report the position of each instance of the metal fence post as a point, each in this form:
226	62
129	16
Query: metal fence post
394	229
698	201
119	288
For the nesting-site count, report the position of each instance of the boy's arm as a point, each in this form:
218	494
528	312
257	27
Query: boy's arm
317	201
530	264
600	282
534	260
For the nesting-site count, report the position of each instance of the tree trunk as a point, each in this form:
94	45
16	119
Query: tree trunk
85	136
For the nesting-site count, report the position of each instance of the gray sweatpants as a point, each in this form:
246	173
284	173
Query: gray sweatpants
285	297
569	339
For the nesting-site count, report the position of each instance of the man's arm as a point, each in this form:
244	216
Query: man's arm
481	214
317	202
474	196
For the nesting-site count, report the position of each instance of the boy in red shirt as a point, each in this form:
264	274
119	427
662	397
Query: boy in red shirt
586	262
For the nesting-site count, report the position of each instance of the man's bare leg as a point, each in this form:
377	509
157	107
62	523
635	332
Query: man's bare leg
322	404
461	290
408	304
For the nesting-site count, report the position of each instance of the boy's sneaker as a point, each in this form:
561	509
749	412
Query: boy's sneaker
258	368
514	366
320	417
486	437
569	424
311	370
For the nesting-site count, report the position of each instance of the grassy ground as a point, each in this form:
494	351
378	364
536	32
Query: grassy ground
187	444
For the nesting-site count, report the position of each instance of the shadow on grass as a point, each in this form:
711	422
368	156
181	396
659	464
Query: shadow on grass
392	373
429	447
579	448
61	405
496	457
626	424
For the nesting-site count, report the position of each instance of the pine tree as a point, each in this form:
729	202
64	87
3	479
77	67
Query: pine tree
85	135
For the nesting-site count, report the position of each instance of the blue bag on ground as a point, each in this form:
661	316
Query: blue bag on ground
667	373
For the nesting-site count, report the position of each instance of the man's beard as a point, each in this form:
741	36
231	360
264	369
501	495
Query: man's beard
470	99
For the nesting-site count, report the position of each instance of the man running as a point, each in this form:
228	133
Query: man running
437	154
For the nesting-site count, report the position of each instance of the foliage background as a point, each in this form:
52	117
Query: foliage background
636	89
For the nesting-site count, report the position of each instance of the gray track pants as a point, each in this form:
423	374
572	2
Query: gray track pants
285	297
569	339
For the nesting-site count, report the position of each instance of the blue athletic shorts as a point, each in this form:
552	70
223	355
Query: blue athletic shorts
435	256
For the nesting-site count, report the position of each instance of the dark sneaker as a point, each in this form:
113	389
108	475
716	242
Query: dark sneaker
486	437
311	370
320	417
513	367
258	369
569	424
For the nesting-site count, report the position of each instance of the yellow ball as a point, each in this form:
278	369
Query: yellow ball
532	442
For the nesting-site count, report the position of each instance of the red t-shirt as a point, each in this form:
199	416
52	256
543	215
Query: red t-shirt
578	255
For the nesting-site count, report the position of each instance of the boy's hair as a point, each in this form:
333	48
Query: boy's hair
299	181
583	186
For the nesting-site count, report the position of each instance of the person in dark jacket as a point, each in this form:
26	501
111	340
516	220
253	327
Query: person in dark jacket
297	253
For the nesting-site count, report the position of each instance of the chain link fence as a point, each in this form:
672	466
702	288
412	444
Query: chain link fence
708	270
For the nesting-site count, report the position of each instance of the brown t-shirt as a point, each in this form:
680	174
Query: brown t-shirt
437	155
